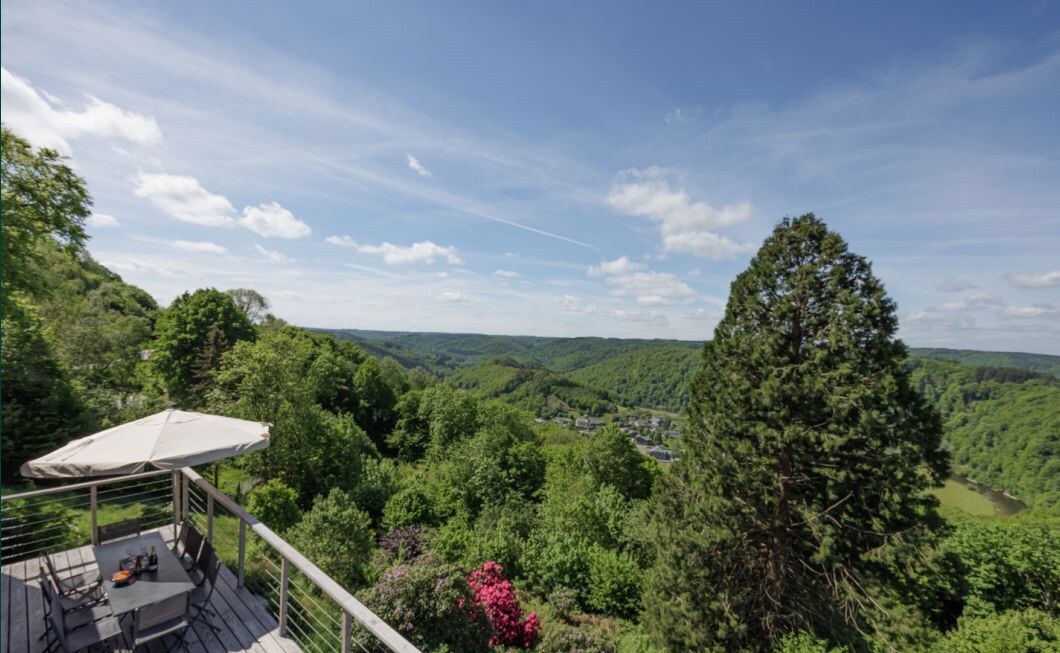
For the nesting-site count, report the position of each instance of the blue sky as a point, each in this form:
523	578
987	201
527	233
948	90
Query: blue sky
543	168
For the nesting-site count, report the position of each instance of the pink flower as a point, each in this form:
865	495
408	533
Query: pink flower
496	596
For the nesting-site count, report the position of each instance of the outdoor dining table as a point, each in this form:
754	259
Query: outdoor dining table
149	587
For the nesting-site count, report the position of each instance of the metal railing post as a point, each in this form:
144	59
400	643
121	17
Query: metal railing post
184	503
347	632
242	552
176	502
92	502
209	518
284	581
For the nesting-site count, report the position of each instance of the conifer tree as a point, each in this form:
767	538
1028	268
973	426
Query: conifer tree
208	360
808	452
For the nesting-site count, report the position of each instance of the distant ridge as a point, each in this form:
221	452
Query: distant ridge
1035	362
448	352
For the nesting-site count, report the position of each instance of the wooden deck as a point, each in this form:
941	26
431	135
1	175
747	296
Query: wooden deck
243	618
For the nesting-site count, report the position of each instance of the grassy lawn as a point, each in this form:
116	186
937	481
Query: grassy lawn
956	495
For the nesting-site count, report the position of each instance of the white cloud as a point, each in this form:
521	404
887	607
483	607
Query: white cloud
417	167
44	122
273	221
185	199
1043	280
952	284
948	311
203	247
341	241
981	297
271	256
703	315
1030	312
648	287
451	296
140	267
422	252
573	304
936	318
685	226
506	274
102	221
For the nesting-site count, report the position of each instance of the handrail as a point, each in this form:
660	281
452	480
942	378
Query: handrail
350	605
86	485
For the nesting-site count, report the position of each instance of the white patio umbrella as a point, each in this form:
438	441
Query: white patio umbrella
168	440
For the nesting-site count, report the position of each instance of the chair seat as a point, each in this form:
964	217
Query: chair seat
79	601
200	596
78	581
99	631
84	616
171	627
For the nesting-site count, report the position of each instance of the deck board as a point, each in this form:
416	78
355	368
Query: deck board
243	619
17	634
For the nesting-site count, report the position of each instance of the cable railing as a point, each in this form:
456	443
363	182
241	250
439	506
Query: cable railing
69	516
309	606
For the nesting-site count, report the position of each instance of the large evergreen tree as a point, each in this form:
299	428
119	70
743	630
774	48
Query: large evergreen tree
808	452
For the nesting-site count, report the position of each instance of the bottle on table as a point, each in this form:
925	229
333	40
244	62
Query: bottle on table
152	560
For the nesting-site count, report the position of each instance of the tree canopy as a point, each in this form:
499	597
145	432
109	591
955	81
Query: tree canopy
808	450
43	199
195	323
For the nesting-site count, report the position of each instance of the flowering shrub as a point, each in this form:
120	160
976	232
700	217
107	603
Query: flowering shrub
496	596
407	542
430	603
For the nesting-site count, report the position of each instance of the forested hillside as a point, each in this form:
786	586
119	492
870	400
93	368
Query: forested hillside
652	377
532	388
1034	362
1002	426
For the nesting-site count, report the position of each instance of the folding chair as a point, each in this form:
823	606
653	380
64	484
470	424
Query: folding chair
200	598
198	573
192	546
159	620
77	585
71	640
119	530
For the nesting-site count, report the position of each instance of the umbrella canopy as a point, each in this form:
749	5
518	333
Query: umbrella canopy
168	440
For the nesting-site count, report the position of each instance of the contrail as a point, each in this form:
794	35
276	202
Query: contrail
534	230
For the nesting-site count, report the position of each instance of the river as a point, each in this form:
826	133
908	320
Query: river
1005	504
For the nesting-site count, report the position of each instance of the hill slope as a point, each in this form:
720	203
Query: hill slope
1036	362
532	388
1001	425
655	377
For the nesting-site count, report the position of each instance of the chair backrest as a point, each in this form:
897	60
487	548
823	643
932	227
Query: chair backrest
213	567
47	587
171	609
207	557
118	530
194	543
182	536
56	618
51	570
